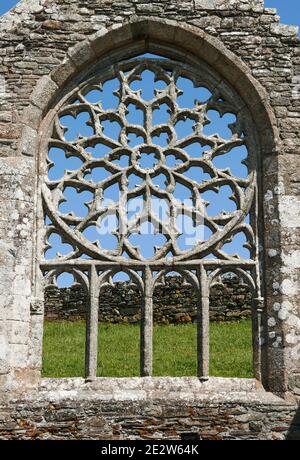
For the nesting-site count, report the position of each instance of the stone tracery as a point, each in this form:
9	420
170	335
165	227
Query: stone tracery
113	149
222	226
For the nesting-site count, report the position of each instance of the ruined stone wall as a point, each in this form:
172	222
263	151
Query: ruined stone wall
44	45
211	422
173	303
187	412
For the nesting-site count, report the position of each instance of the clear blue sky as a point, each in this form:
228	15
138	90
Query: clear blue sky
289	10
7	5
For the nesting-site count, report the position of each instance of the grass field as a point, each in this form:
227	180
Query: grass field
174	350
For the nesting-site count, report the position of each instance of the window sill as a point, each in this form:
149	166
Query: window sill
190	389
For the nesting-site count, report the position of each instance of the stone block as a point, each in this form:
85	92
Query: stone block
108	39
17	332
44	91
63	73
28	142
18	355
283	30
81	54
32	117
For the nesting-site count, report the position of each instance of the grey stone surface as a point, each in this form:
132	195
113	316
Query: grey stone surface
149	408
259	58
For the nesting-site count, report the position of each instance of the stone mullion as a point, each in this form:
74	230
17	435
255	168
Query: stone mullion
147	325
203	325
91	350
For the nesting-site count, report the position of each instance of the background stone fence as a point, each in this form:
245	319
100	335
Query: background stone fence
174	302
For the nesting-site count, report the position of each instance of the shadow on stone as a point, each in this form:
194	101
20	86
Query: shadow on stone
294	430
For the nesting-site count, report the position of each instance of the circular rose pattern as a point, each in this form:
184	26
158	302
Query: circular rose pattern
148	144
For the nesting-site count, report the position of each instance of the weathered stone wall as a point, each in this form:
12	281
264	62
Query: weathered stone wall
44	45
173	303
172	409
169	420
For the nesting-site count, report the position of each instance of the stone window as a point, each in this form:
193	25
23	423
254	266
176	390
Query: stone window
150	166
241	66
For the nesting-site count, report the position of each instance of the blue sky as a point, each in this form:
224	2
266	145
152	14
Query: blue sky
7	5
289	10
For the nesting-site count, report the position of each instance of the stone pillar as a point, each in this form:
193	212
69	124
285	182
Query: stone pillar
17	186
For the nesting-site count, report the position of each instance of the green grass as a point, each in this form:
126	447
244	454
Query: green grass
174	350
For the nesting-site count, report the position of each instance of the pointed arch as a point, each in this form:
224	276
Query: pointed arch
176	40
156	35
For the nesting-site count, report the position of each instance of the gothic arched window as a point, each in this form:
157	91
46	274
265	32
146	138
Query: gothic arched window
151	166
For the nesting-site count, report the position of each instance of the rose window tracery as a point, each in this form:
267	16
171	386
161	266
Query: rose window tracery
148	144
151	167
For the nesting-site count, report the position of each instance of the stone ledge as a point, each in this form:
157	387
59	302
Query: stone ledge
148	408
215	389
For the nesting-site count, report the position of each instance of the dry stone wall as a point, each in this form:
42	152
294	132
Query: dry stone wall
173	303
210	421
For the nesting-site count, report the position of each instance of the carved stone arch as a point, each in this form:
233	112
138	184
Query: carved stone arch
236	271
147	35
154	35
188	277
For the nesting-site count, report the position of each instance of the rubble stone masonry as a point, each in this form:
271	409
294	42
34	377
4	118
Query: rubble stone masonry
46	47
